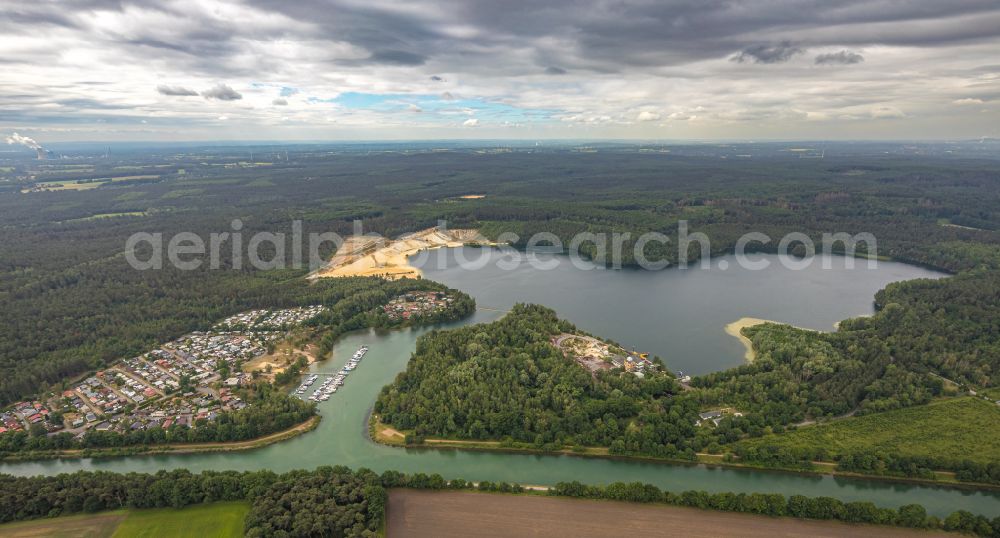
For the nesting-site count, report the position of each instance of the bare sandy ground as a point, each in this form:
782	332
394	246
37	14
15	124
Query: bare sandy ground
736	329
431	514
284	355
372	256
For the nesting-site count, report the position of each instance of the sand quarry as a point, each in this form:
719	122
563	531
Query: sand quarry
380	257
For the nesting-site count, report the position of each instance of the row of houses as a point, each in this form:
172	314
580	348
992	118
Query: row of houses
269	319
145	391
23	414
417	303
186	410
203	351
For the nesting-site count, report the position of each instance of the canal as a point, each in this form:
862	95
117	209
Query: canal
672	306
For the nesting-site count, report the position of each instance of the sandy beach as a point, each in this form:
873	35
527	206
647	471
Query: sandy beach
736	329
377	256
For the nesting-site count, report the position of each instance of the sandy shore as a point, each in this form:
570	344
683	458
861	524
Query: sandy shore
376	256
736	329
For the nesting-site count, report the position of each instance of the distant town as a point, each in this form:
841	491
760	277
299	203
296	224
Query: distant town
186	382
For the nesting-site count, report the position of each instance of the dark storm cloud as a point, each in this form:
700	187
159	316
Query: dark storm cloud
767	54
844	57
396	57
163	89
604	38
222	92
502	50
596	36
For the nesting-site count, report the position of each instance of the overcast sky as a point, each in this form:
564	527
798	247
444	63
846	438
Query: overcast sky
379	69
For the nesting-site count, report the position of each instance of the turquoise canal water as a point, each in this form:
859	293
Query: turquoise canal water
341	437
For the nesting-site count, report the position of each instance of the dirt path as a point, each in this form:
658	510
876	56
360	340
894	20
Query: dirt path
243	445
390	432
460	442
450	514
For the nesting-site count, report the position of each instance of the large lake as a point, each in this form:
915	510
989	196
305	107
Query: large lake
678	314
645	311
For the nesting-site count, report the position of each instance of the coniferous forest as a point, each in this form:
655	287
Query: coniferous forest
72	305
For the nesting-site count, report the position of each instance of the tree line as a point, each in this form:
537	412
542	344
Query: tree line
340	502
775	504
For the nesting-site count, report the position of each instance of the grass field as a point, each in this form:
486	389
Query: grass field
219	520
992	393
956	428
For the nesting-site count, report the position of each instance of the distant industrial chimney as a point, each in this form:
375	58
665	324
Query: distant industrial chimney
27	142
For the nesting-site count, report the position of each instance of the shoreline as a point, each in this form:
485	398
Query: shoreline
384	434
390	259
177	448
736	329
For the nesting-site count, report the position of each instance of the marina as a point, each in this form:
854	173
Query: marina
341	438
331	382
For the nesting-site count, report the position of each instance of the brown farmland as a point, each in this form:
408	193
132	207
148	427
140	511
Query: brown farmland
79	526
431	514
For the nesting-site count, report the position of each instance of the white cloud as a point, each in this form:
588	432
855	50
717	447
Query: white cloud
471	122
647	115
102	65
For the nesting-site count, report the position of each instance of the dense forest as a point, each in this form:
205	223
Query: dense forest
334	501
923	332
325	502
72	304
328	501
505	381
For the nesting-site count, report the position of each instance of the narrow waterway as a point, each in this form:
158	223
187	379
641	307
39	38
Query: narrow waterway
341	437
